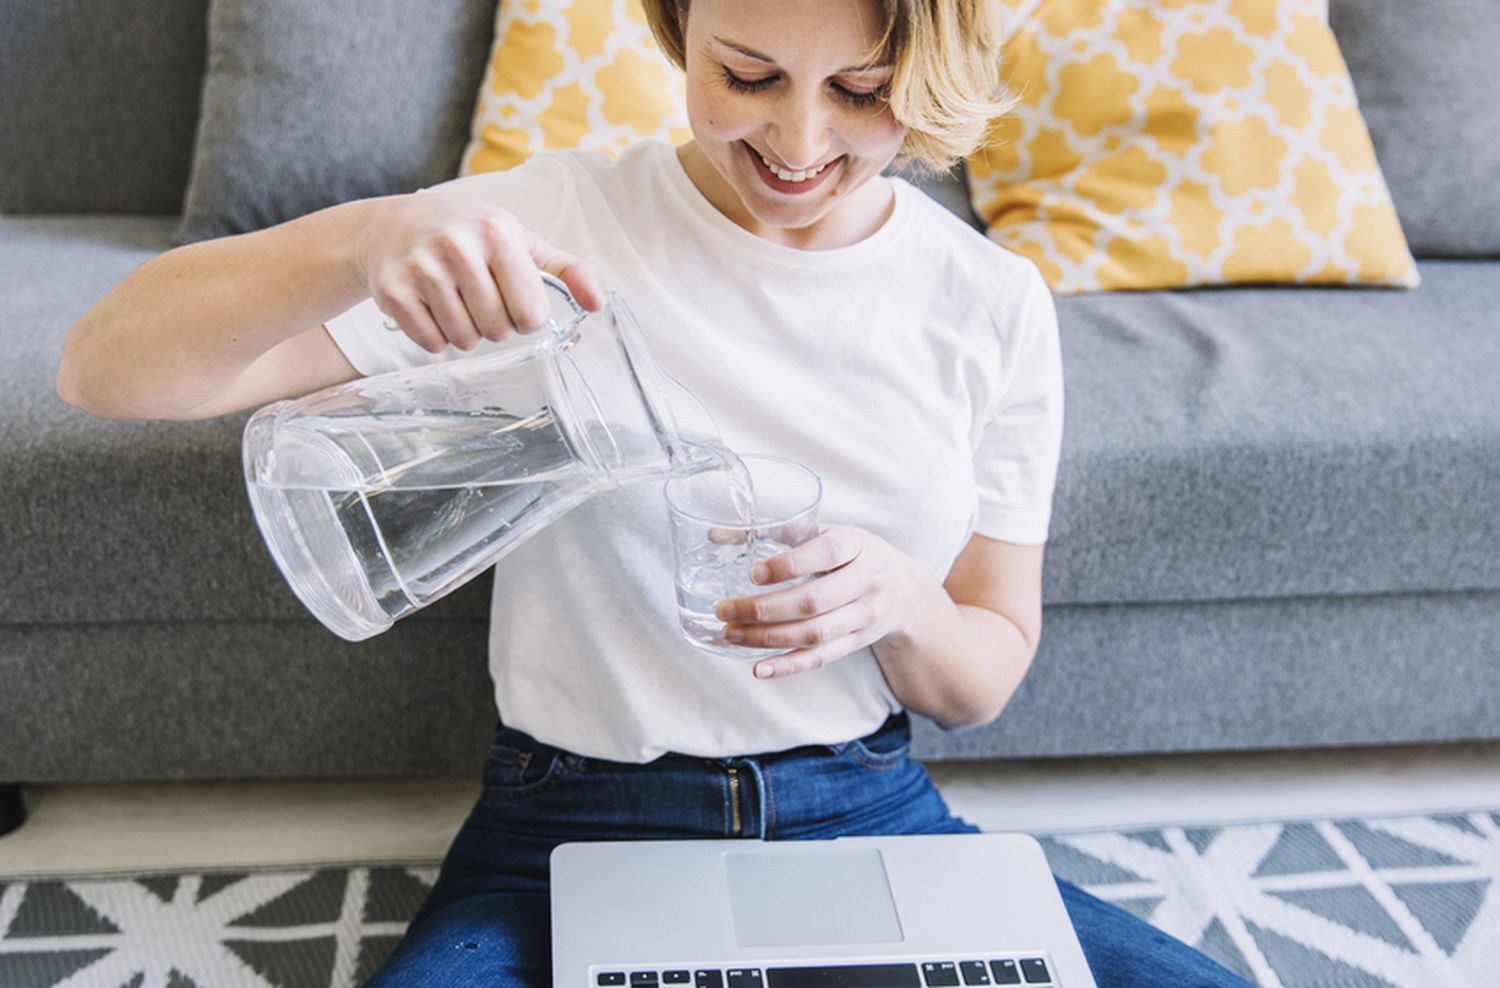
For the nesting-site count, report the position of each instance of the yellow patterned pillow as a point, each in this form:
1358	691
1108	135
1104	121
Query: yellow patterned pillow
572	74
1165	143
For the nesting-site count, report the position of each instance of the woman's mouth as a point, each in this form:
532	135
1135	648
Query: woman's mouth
790	182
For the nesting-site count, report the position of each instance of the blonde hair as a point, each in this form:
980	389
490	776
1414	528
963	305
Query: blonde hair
946	86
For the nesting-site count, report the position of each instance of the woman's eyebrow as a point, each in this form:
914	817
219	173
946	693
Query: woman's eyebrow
743	50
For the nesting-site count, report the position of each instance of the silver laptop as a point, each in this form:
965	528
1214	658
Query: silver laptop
854	912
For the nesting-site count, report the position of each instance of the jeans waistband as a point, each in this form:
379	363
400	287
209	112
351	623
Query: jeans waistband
895	723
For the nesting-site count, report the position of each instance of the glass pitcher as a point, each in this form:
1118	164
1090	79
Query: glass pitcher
380	495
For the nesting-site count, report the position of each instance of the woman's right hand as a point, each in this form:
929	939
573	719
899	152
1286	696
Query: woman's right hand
451	271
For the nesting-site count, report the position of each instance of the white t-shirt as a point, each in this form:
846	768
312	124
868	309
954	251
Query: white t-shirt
916	371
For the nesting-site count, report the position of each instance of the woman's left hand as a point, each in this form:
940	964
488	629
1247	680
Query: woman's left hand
862	594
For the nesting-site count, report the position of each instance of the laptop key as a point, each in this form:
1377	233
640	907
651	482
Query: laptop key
974	972
676	977
644	979
940	973
745	977
1005	972
708	979
610	978
1035	970
845	976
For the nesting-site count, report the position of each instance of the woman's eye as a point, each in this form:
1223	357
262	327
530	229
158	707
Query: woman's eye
849	96
747	85
859	99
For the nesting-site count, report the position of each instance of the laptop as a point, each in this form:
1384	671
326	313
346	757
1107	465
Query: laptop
852	912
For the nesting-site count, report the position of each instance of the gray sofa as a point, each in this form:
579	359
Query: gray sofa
1276	518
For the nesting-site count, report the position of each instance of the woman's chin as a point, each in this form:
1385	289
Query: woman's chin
784	215
790	218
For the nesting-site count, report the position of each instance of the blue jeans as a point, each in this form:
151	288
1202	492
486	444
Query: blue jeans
486	921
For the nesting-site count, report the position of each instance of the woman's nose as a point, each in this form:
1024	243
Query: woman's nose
799	133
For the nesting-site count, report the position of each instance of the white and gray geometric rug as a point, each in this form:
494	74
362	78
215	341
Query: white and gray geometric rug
1393	902
1398	902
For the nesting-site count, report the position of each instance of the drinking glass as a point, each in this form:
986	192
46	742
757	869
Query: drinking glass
722	526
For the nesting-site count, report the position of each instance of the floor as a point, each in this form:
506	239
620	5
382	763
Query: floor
87	829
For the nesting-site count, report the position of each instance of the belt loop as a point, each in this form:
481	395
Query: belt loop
753	764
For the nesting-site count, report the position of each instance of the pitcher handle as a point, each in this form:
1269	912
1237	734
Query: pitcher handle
562	331
555	283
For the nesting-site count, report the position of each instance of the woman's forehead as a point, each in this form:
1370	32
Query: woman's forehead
749	52
841	31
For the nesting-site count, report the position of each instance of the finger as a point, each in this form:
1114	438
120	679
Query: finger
481	298
525	298
789	534
460	275
414	319
806	600
836	547
521	306
441	298
808	659
580	277
805	634
726	536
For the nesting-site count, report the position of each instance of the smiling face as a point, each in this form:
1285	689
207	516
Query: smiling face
789	125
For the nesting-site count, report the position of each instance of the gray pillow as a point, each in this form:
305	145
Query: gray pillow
310	104
97	104
1428	80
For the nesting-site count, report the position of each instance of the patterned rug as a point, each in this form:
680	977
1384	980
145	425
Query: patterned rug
1393	902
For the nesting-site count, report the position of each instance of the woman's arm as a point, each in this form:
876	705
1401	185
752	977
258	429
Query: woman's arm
954	652
183	329
226	324
970	643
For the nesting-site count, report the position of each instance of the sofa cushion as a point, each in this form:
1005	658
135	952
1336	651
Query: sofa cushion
584	75
98	103
1429	84
1227	444
1169	145
310	104
116	521
1280	442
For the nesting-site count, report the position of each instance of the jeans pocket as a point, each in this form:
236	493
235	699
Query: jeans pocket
514	771
891	745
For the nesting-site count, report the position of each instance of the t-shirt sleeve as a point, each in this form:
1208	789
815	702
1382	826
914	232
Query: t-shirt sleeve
535	191
1015	460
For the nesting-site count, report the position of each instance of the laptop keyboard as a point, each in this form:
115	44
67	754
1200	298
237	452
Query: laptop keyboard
1029	971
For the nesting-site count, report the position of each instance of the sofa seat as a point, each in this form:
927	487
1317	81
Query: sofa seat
1220	445
146	634
1234	444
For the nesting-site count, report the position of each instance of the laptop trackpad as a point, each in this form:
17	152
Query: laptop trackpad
822	896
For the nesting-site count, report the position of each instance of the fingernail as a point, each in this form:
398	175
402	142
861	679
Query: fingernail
761	573
733	635
764	671
725	611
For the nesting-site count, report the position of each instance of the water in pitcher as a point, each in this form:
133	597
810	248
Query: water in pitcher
451	488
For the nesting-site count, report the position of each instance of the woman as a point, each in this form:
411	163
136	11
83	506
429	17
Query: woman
825	313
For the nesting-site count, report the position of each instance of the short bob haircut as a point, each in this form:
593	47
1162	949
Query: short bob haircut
946	86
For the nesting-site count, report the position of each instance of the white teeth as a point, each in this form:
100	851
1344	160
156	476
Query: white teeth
787	176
